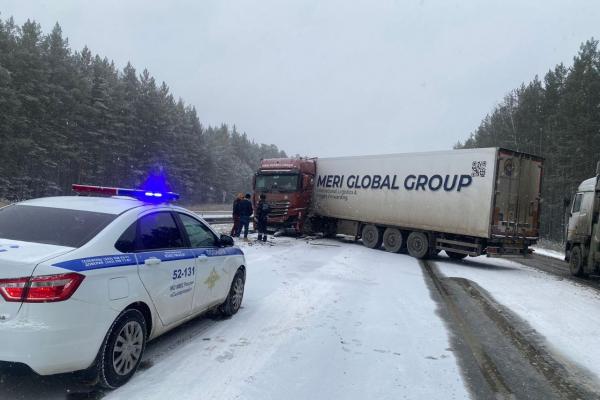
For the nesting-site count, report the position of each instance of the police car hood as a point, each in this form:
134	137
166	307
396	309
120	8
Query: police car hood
18	259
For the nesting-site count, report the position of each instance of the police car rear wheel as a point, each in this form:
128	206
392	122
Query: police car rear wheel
123	349
236	293
392	240
418	245
372	237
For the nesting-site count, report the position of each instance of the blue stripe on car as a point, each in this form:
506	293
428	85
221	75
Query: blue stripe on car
166	255
89	263
222	251
122	260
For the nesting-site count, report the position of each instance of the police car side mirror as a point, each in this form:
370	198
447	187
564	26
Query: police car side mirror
226	241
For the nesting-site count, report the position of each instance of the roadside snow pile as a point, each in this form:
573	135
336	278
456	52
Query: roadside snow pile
564	312
548	253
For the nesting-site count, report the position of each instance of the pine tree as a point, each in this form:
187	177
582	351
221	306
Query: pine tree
68	117
557	119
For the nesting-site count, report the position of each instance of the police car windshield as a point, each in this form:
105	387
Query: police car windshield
57	226
277	183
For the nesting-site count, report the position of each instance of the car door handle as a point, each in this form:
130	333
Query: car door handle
152	261
202	257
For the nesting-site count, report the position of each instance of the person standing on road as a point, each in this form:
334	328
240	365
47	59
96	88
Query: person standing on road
245	208
235	231
262	212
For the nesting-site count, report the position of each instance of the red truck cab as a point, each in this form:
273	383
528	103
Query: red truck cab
287	184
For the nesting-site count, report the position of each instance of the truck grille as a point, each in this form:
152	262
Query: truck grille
279	208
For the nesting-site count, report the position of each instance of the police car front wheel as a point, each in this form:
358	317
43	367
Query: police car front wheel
122	350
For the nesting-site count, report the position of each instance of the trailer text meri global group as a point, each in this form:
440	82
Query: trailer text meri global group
411	182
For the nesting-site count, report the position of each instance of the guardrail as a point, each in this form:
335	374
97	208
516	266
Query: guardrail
215	217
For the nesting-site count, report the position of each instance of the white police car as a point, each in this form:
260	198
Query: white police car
85	282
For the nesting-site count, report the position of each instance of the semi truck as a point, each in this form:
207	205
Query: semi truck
582	247
465	202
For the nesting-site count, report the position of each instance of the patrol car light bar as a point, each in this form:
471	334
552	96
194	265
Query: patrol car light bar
139	194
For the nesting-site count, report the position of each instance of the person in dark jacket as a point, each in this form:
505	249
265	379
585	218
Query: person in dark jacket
235	231
262	212
245	209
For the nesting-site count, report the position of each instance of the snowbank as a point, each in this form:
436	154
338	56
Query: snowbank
564	312
548	253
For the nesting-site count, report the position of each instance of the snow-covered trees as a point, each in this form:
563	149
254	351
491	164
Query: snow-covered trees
68	117
558	119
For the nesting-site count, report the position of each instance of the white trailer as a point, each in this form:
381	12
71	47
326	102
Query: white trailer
466	202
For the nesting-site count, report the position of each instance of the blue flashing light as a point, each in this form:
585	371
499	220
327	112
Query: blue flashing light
156	182
156	187
147	195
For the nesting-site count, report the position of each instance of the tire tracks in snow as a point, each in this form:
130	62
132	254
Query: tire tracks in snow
558	268
501	356
455	315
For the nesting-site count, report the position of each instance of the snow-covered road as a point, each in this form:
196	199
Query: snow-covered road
331	319
565	313
323	321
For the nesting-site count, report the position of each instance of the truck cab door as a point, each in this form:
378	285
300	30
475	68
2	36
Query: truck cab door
574	217
305	198
586	212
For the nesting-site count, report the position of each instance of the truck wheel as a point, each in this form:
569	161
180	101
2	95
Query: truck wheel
392	240
455	256
576	262
371	236
418	245
122	349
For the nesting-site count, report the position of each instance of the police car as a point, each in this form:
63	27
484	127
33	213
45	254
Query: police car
86	281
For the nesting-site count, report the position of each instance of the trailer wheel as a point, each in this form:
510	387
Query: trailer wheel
372	237
418	245
455	256
576	261
392	240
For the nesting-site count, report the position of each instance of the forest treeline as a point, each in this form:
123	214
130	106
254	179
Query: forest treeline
557	118
73	117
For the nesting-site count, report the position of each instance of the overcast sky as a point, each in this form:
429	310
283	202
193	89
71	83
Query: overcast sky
329	78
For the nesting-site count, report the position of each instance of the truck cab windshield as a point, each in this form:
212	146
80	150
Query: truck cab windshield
277	183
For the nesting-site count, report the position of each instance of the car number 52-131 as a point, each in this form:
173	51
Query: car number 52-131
183	273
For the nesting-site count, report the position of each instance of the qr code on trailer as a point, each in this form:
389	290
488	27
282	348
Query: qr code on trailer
478	168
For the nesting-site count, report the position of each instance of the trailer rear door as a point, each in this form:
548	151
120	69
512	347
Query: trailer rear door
516	210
